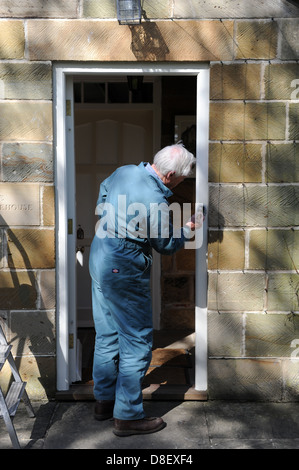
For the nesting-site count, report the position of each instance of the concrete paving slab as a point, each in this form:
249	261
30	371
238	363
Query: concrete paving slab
30	431
191	426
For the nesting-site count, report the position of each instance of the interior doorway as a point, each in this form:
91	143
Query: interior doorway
110	131
68	179
115	126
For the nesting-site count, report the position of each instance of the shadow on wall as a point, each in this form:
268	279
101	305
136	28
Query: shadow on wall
29	330
258	347
147	42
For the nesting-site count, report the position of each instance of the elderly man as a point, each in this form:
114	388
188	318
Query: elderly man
120	261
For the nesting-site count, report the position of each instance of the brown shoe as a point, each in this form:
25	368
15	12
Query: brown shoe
137	426
103	409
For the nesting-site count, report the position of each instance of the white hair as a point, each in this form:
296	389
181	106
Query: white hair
174	158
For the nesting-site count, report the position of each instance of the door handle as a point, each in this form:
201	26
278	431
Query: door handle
80	233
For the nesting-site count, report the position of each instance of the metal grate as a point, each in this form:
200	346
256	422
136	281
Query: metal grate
128	11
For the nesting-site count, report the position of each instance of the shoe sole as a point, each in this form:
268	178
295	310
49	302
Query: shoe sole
132	432
103	417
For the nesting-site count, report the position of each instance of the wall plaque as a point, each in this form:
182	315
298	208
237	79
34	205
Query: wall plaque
19	204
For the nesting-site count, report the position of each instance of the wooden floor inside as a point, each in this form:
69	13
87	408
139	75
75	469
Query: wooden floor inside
169	377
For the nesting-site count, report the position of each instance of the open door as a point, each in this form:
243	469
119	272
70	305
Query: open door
104	140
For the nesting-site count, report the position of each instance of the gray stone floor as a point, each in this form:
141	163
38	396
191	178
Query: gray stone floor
191	425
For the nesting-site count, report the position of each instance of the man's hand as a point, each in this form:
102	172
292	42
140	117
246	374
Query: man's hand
191	223
196	221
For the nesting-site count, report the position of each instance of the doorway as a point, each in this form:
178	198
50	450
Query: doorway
78	133
114	121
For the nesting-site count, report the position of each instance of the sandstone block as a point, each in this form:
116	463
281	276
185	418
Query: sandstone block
264	121
254	205
279	81
48	205
283	292
270	334
274	249
227	206
291	380
282	163
158	9
12	39
21	121
226	250
19	204
231	9
107	9
40	374
38	9
273	206
25	81
236	291
245	379
6	377
32	333
294	121
31	248
18	290
1	249
25	162
235	163
225	334
235	82
47	290
227	121
289	30
95	9
108	41
249	121
256	39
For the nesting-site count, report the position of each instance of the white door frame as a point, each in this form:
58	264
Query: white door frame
64	187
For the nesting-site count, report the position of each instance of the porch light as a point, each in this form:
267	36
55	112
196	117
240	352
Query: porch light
128	11
135	82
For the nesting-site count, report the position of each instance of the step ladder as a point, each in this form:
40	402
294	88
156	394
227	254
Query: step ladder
16	392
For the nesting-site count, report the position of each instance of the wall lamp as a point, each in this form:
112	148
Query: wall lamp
128	11
135	83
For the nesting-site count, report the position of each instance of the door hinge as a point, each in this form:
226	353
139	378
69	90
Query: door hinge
71	341
68	107
70	226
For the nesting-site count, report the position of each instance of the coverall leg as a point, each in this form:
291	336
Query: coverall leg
105	364
123	322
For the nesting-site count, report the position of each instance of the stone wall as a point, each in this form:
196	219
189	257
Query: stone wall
253	254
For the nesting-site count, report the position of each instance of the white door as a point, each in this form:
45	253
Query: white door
104	140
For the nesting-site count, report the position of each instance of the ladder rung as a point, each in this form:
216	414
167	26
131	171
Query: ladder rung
9	404
4	352
14	396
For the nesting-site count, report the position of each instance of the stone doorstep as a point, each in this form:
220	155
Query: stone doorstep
173	359
169	366
170	358
83	392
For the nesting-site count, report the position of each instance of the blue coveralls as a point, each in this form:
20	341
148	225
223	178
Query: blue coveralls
120	271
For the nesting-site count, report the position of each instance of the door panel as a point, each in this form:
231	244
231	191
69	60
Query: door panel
107	141
104	140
